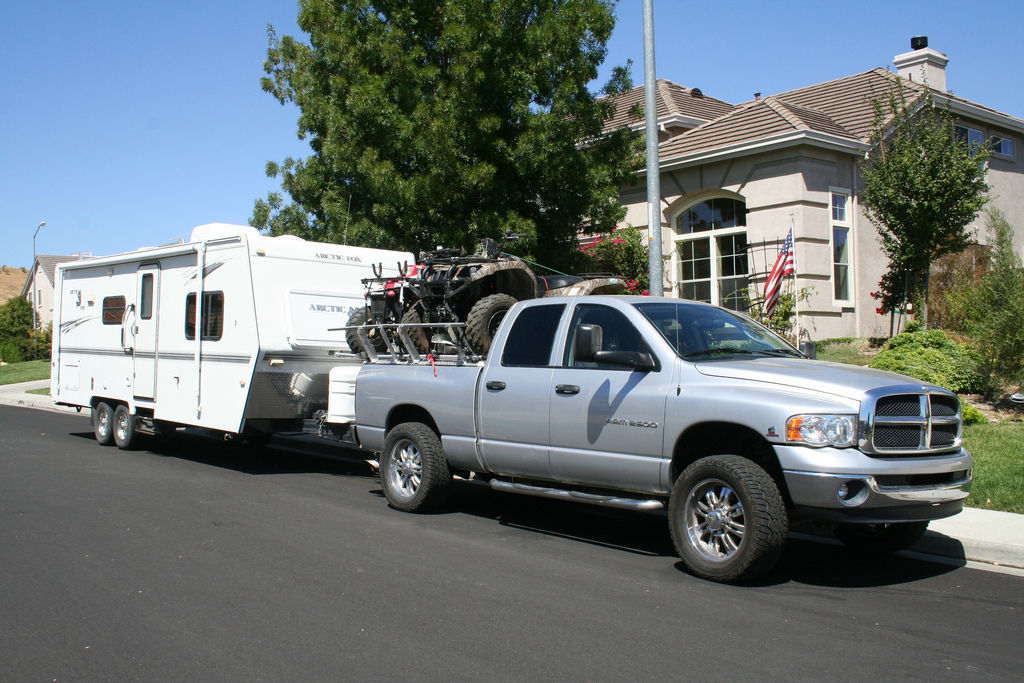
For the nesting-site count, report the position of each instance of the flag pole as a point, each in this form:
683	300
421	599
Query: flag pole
796	291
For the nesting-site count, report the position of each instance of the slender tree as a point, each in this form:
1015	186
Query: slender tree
448	121
922	188
997	327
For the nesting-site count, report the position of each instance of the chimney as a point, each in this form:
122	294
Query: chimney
923	64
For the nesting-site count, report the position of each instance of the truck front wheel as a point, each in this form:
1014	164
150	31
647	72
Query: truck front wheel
727	518
880	539
413	468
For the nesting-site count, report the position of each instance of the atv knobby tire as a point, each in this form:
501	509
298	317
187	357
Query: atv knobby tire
484	319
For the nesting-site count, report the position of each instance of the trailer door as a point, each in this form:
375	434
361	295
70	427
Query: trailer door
146	330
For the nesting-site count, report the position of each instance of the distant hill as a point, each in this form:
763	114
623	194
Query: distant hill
12	279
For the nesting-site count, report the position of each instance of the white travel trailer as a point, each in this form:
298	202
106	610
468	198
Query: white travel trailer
125	343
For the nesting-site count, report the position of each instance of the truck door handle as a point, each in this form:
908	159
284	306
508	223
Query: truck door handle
495	386
566	389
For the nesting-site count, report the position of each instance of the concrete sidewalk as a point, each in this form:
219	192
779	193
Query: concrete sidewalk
995	539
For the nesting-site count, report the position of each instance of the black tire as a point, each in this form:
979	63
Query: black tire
124	428
414	316
359	317
728	519
880	539
103	423
413	468
258	439
484	318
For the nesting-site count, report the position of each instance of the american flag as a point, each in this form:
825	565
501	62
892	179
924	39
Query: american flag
784	265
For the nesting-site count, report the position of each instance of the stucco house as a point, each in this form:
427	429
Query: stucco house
38	289
736	178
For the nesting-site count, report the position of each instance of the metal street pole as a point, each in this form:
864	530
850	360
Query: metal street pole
654	261
35	270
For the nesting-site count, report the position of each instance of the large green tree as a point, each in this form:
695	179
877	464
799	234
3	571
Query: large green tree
443	122
922	188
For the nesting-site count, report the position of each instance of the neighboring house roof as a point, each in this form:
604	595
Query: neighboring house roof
676	104
49	267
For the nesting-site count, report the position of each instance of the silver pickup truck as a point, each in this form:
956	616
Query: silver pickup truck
648	403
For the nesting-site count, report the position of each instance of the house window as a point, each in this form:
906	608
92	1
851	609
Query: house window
973	138
841	246
113	310
712	249
213	316
1001	145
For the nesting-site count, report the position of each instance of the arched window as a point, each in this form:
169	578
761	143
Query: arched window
711	242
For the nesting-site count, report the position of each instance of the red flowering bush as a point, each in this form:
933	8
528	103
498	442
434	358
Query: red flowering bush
623	253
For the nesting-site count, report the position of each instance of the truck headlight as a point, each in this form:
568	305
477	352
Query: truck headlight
822	430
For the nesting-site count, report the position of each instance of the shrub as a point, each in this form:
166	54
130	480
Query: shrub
972	416
10	352
623	253
931	356
995	321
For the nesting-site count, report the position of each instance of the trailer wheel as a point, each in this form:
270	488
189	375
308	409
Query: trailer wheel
880	539
103	423
124	428
413	468
727	518
484	318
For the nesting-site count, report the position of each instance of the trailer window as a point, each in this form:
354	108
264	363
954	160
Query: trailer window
113	310
146	305
213	316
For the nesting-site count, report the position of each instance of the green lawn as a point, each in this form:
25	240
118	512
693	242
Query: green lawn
24	372
998	450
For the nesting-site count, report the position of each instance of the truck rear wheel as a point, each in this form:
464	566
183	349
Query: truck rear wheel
413	468
727	518
103	423
880	539
484	318
124	428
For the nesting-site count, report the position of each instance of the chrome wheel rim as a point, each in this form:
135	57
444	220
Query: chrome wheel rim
103	423
122	426
714	520
405	468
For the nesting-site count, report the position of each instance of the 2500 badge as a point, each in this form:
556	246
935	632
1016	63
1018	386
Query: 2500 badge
631	423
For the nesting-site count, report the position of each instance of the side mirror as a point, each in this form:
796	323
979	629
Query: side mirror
808	349
633	359
588	342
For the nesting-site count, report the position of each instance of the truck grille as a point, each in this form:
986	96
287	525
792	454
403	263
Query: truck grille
910	424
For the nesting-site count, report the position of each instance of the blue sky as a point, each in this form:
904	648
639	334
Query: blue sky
126	124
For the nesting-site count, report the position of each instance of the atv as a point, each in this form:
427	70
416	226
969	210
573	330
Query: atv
476	290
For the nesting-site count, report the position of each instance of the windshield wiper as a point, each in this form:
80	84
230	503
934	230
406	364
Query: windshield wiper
715	352
782	352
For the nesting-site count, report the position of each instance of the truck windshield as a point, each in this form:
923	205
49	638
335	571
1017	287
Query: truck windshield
699	331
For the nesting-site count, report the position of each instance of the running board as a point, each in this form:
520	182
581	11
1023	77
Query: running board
644	505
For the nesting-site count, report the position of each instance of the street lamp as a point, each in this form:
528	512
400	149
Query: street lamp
35	269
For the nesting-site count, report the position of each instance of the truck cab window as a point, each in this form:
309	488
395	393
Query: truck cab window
113	310
532	337
618	334
213	316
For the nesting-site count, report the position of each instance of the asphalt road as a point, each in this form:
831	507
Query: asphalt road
191	559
